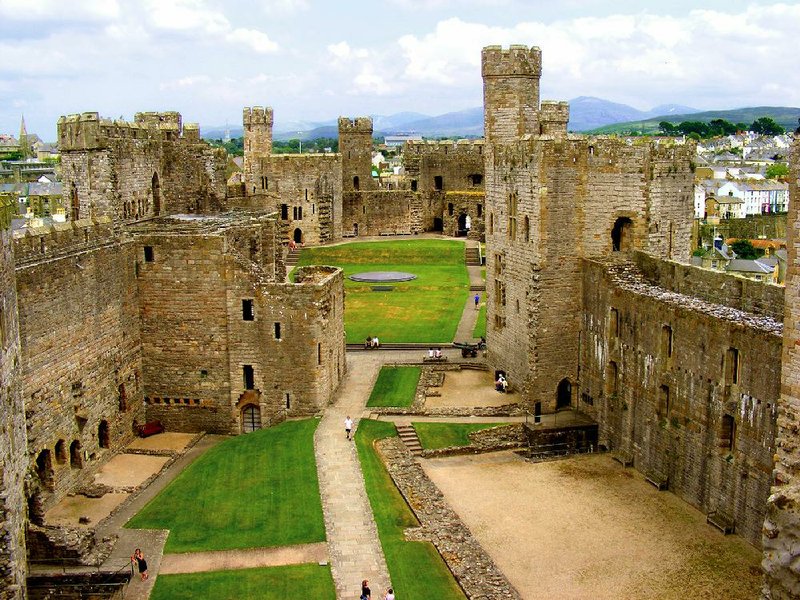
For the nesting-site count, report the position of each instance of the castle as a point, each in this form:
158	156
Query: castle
165	297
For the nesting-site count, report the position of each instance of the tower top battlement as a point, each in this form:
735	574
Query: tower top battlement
518	60
357	125
257	115
90	131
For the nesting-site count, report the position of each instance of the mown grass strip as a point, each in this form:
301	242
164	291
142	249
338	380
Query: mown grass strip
446	435
395	386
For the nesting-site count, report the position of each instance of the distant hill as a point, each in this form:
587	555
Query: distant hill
587	112
784	115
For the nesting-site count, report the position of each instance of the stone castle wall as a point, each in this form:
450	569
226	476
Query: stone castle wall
395	212
457	165
355	147
13	457
782	525
128	171
79	333
656	374
460	204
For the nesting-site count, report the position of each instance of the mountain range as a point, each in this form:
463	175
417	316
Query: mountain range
586	114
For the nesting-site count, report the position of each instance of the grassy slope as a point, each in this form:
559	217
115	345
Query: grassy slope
426	309
480	323
253	490
416	569
275	583
445	435
396	386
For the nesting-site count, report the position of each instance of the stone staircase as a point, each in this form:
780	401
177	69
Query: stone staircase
292	258
471	257
408	435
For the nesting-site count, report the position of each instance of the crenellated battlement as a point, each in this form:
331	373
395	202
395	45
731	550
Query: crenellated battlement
257	115
444	147
58	240
88	130
553	117
518	60
357	125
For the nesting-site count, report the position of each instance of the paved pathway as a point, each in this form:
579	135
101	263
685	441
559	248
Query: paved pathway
353	543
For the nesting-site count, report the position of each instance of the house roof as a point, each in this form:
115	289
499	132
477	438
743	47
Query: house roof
742	265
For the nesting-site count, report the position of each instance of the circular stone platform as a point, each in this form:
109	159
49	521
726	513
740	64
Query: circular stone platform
382	276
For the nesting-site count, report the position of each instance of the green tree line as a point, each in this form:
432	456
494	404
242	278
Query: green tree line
719	127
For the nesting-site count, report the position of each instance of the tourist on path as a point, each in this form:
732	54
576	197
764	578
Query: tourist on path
366	594
138	557
477	300
389	595
348	427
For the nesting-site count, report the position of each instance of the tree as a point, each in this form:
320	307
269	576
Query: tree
766	126
777	171
744	249
667	128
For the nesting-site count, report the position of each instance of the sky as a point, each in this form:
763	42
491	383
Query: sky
313	60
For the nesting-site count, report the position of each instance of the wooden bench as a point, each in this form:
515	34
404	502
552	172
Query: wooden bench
150	428
623	458
721	521
434	359
382	288
660	482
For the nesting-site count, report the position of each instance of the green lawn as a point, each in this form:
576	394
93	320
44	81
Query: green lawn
480	324
252	490
396	386
274	583
425	310
445	435
416	569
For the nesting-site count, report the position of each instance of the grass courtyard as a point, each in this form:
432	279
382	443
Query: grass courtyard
395	386
425	310
253	490
445	435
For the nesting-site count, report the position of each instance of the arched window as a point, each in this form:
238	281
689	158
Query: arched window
356	183
75	456
103	435
44	468
621	235
61	452
564	394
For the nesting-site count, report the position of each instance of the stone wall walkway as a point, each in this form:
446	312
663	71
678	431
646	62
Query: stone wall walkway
353	544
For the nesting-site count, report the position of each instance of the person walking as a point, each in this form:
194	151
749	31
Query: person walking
348	427
389	595
477	301
366	594
138	558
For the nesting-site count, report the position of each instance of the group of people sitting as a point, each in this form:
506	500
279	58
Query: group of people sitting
501	384
435	353
371	342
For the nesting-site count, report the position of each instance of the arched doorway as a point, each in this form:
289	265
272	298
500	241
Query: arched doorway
437	224
564	394
463	229
44	468
621	235
251	418
297	236
75	457
356	183
103	436
156	194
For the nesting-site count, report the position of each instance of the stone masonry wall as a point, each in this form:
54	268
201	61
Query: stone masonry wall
657	374
782	525
459	204
382	212
458	165
81	351
355	147
13	455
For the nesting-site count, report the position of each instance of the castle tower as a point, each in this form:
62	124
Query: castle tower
24	146
782	523
13	451
510	92
257	122
355	146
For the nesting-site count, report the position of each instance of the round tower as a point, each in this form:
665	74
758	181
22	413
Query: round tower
510	92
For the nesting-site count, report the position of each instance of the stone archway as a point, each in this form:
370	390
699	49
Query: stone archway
564	394
251	418
621	235
297	236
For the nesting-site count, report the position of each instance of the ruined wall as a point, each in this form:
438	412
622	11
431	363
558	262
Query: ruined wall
129	171
457	206
306	190
355	146
658	375
394	212
81	351
13	455
444	166
782	524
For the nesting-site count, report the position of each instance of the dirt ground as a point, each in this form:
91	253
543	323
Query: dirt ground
470	388
163	441
585	527
129	470
72	508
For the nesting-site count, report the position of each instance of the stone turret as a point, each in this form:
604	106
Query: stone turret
553	118
510	92
257	122
355	146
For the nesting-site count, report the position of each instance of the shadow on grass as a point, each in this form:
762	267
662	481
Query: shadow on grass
416	569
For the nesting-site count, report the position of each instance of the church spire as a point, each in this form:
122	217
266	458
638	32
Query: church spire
24	146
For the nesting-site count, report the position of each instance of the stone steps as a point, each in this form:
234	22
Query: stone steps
471	257
408	435
292	258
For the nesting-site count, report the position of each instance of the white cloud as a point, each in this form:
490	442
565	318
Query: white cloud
367	81
52	10
284	6
343	53
257	41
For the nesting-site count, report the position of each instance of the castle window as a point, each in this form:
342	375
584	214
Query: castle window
248	375
664	402
450	209
613	323
527	229
476	179
2	329
61	452
413	185
285	212
732	366
612	378
620	235
306	195
122	398
356	183
727	434
264	183
319	354
479	209
297	213
512	216
248	312
75	204
591	150
288	401
75	457
438	183
666	341
277	331
491	223
103	436
148	254
44	468
156	190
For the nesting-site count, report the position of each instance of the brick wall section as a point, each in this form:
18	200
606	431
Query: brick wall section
464	203
384	211
79	333
719	288
625	375
128	171
782	524
13	457
458	164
